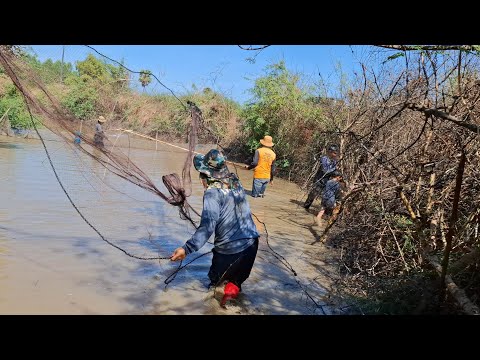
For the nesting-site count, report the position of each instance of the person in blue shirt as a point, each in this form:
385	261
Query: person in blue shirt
226	215
77	139
328	164
332	194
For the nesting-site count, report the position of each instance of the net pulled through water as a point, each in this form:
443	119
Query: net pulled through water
84	167
105	182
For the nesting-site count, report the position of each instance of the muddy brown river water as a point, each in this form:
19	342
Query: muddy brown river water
52	262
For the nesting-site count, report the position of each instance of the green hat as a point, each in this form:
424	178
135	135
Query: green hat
212	164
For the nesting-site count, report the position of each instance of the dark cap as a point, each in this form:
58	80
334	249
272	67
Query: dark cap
333	148
335	174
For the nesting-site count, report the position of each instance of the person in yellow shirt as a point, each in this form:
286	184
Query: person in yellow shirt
264	166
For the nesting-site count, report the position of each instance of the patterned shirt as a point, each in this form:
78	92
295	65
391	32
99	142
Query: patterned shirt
331	193
226	214
327	166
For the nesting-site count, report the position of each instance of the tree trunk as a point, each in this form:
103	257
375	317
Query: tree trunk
453	217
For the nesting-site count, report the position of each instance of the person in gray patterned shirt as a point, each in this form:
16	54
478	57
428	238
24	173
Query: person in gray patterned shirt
226	214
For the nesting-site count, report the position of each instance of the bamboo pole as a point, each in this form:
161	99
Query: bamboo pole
166	143
3	116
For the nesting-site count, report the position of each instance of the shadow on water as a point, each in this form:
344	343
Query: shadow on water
262	292
8	145
80	242
271	288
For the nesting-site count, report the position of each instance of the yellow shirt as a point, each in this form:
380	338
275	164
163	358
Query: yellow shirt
265	159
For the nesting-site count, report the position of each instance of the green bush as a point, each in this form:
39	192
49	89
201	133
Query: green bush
282	108
81	97
18	114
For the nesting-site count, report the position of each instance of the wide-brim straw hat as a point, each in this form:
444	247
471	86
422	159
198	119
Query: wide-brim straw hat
267	141
101	119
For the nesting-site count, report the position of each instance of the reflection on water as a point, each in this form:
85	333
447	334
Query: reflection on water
52	262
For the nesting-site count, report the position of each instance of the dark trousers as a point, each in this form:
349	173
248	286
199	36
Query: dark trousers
98	140
234	268
328	206
312	195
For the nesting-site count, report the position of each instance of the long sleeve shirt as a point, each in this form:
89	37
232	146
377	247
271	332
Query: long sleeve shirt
331	193
98	129
226	213
327	166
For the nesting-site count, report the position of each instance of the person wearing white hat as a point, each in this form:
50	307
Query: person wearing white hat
264	165
99	134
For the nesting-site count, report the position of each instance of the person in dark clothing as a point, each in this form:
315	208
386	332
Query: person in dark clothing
328	164
226	213
99	134
331	195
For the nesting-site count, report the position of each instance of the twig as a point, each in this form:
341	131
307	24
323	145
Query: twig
398	246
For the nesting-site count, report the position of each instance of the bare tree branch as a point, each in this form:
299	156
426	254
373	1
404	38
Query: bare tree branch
251	47
444	115
429	47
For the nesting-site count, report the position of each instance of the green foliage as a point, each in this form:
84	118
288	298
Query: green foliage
282	108
54	71
394	56
256	125
118	72
96	86
84	87
408	243
81	97
145	78
31	59
95	69
220	114
402	222
49	71
282	163
18	114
